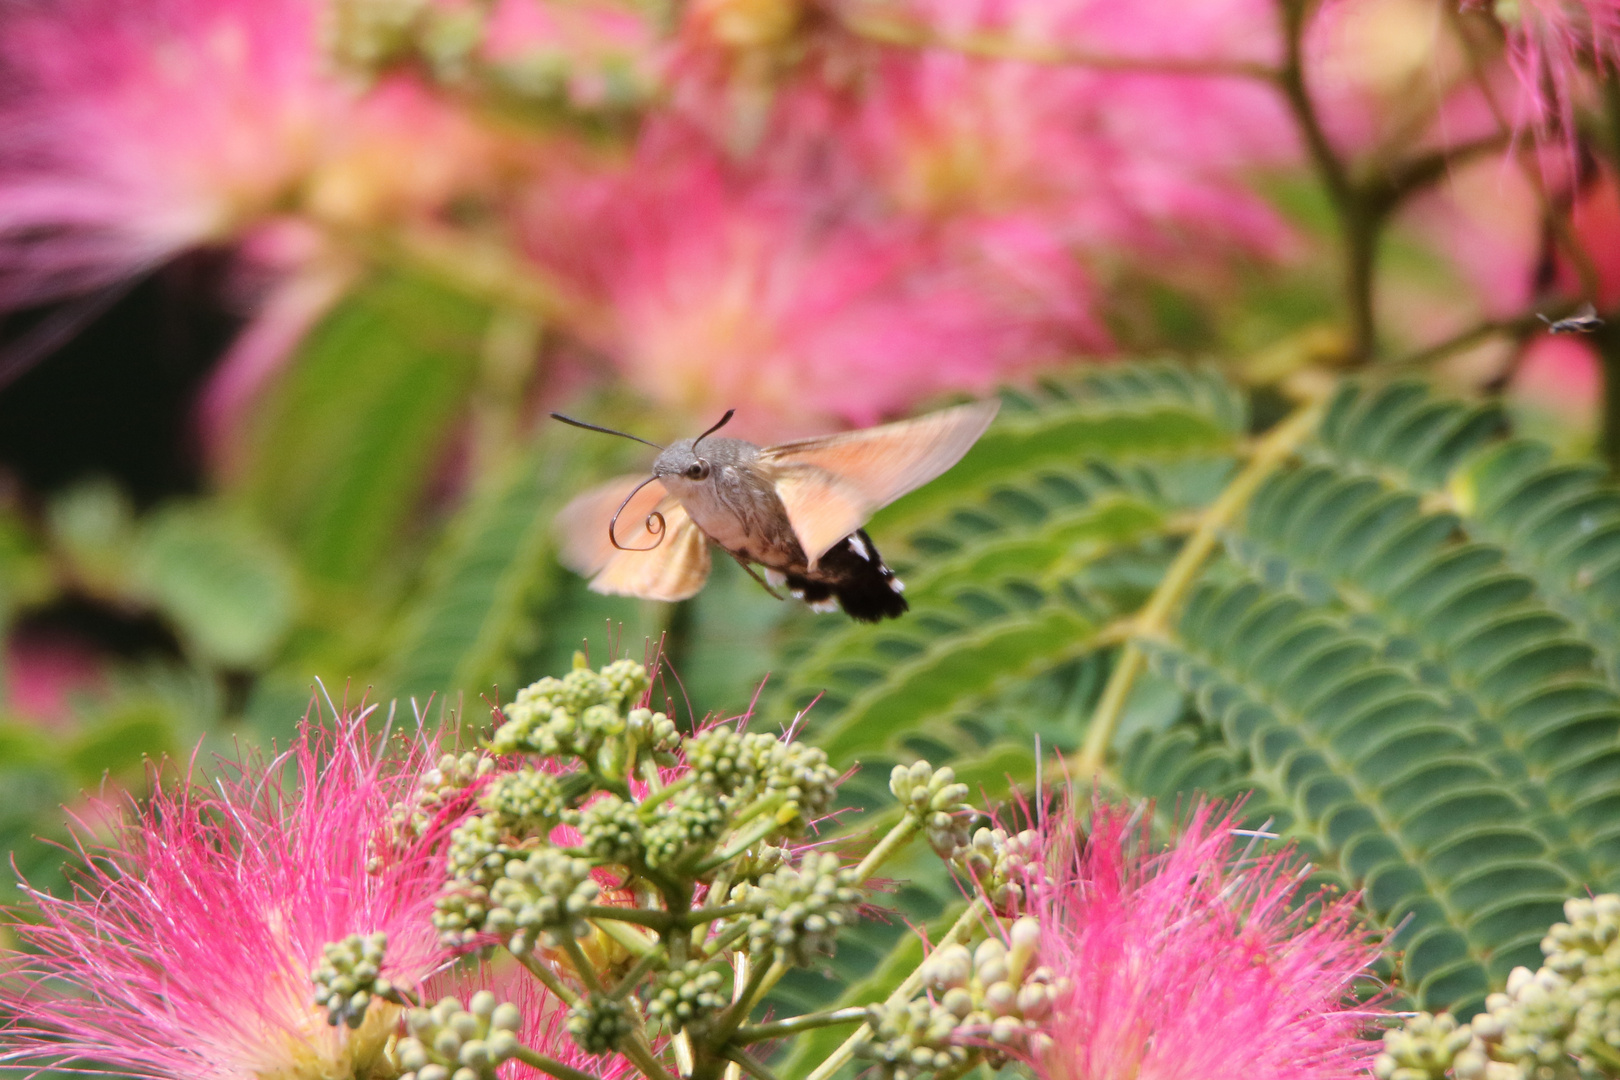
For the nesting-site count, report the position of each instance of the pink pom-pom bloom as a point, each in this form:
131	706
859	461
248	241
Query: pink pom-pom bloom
1192	962
132	129
187	947
788	302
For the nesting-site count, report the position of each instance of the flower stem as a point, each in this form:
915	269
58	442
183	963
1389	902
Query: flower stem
896	837
653	920
758	984
723	942
738	846
751	1033
651	807
699	916
753	1068
624	935
846	1050
551	1066
642	1057
547	977
582	965
632	978
649	776
1275	448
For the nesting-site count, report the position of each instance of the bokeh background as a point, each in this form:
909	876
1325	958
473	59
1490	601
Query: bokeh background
289	287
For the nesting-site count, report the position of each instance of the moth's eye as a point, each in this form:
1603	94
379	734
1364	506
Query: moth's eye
698	470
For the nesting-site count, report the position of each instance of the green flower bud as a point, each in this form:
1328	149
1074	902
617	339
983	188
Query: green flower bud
804	908
525	803
912	1039
349	976
446	1040
690	824
947	968
687	996
654	730
610	829
571	715
539	897
1004	865
599	1024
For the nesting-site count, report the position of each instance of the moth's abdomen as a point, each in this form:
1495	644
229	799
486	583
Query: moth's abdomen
854	574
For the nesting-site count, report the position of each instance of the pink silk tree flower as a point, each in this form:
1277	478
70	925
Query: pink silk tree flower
187	946
1193	960
1111	151
788	301
1548	43
1109	161
133	129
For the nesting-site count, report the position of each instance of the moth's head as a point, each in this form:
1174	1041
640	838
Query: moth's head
686	462
681	461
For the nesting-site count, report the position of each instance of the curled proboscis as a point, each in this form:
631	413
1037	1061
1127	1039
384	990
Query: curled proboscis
655	524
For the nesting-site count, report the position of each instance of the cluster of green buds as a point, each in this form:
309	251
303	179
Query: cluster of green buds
802	908
939	804
438	788
586	714
1561	1022
448	1042
1004	865
987	1001
659	884
349	976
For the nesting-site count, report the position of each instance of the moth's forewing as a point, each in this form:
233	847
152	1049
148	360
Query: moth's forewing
833	484
674	563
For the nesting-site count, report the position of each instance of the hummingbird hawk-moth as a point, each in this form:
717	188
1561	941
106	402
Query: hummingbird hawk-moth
796	508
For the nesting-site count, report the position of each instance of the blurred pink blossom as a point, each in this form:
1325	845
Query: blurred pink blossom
1561	376
186	948
1549	41
1595	226
1192	961
44	673
133	129
796	306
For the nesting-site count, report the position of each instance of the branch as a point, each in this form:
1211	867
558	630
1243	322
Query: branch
890	29
547	977
1517	326
751	1033
1276	447
902	832
750	1066
1403	178
551	1065
1359	221
640	1054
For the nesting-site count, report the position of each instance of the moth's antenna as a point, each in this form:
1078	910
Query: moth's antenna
655	520
724	420
610	431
